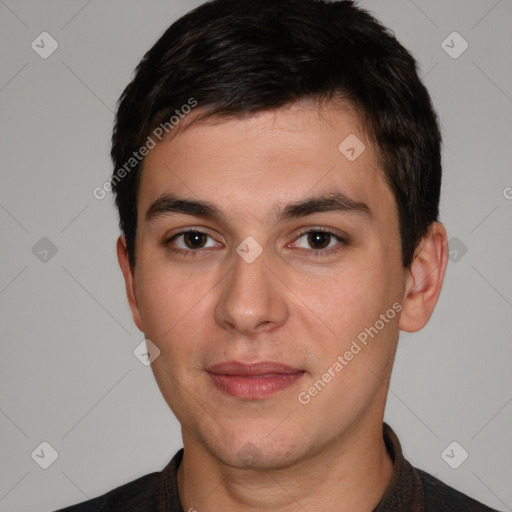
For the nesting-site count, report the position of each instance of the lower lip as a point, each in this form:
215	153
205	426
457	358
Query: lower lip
254	386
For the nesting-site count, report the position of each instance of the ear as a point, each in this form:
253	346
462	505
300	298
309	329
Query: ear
124	263
424	279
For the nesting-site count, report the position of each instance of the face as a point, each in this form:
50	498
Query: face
277	317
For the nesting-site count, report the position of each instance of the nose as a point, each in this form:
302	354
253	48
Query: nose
253	298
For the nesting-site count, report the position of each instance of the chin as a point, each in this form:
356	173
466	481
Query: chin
252	450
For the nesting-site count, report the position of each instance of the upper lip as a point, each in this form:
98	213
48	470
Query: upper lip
260	368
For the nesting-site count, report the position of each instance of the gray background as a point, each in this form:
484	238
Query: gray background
68	375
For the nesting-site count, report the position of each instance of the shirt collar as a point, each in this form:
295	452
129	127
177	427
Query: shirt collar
404	491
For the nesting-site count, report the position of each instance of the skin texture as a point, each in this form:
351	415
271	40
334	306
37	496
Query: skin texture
289	305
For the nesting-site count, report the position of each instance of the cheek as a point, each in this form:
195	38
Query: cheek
350	305
164	297
351	364
354	295
176	310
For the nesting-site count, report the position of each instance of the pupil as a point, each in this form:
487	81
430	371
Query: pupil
319	238
193	238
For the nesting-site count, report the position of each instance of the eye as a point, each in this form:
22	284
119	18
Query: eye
189	241
316	241
320	241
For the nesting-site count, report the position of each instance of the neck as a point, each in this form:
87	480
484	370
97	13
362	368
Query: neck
351	473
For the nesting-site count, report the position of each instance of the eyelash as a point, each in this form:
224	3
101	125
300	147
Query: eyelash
314	252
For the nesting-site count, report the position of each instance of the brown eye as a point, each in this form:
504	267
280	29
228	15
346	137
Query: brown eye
319	239
190	242
320	242
194	239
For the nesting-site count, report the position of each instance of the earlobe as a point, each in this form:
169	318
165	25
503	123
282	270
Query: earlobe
425	279
122	257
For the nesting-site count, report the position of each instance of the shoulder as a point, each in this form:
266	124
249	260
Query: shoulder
136	495
440	497
140	495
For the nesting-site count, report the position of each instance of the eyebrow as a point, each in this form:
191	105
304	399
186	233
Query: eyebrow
169	204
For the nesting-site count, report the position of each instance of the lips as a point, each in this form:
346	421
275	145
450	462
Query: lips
253	381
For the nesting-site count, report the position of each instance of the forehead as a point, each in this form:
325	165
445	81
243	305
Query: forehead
254	163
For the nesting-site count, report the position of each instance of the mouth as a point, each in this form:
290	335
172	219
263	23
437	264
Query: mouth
253	381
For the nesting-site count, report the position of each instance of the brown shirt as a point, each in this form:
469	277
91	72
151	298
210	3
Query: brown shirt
409	490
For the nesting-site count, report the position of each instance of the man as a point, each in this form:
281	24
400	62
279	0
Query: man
277	176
